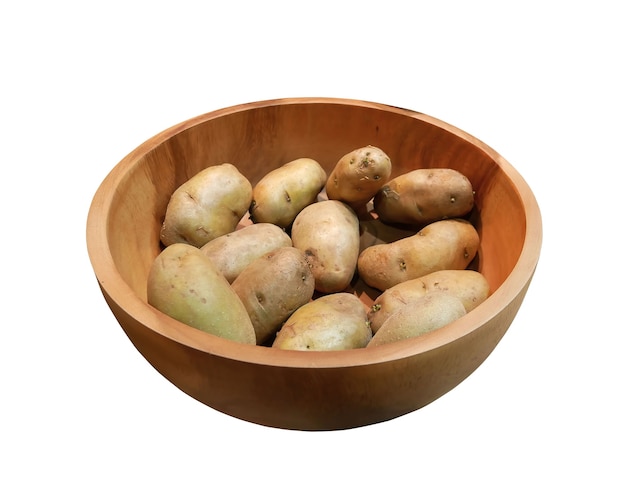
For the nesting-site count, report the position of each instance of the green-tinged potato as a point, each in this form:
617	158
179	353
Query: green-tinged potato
232	252
272	287
333	322
444	244
328	232
470	286
283	192
415	318
184	284
358	175
424	195
210	204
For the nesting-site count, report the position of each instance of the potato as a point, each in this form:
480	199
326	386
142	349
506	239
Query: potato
184	284
328	232
232	252
272	287
415	318
358	175
283	192
444	244
209	204
471	287
332	322
424	195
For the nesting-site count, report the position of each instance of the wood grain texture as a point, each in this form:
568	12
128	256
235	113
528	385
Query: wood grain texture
310	390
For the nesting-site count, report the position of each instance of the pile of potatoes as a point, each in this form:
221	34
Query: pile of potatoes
283	279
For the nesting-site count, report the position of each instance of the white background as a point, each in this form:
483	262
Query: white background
83	84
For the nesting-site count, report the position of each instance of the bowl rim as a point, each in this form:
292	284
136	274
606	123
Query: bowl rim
115	287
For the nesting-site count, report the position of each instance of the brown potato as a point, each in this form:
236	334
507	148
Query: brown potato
358	175
184	284
424	195
445	244
415	318
232	252
328	232
332	322
470	286
210	204
282	193
272	287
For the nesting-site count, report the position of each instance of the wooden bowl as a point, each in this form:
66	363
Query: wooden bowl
296	389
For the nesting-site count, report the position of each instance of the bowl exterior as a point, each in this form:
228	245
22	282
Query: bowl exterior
342	397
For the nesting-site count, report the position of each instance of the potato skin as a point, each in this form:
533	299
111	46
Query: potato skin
444	244
328	232
184	284
283	192
232	252
358	175
272	287
470	286
332	322
211	203
424	195
423	315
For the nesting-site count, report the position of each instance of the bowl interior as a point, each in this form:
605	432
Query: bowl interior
261	136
